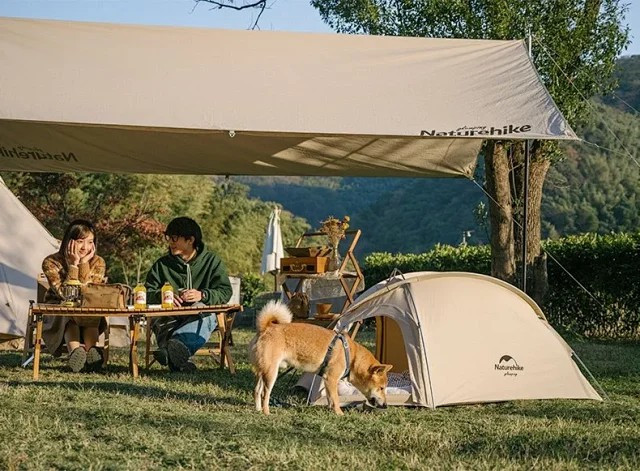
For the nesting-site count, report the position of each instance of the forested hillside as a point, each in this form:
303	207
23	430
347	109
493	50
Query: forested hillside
627	96
590	189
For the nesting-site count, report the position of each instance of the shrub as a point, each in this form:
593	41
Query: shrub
606	265
252	285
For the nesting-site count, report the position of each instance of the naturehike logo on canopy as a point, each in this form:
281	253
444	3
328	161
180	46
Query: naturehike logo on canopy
22	152
472	131
509	365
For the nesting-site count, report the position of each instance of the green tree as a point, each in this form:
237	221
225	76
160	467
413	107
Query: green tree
131	211
627	96
575	50
235	226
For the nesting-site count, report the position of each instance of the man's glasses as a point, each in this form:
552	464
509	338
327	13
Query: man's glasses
171	238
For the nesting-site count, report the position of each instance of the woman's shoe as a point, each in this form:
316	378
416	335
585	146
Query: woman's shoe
161	356
178	355
94	359
77	359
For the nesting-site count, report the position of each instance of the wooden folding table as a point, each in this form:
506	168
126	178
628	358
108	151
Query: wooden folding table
38	311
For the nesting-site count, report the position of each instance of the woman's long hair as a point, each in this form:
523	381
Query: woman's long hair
78	229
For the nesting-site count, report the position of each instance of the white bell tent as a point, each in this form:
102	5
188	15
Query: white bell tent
24	243
460	338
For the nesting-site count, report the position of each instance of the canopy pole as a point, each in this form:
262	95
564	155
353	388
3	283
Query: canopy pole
525	215
526	199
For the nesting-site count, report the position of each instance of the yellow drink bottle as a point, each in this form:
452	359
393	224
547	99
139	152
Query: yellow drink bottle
167	296
140	297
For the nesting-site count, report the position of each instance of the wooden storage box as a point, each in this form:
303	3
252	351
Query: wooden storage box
317	251
303	265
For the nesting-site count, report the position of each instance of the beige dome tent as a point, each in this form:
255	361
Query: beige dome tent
24	243
459	338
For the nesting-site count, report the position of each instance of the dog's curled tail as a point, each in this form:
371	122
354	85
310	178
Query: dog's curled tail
273	313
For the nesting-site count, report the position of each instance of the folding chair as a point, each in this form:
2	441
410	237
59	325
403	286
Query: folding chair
220	350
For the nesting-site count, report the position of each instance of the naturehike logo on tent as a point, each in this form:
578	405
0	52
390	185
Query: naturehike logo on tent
471	131
509	365
22	152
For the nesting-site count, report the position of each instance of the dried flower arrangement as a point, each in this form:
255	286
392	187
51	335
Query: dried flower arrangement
335	229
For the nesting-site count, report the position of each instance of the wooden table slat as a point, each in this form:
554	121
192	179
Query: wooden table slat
54	310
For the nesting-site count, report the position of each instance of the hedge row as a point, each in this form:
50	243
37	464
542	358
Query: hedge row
608	266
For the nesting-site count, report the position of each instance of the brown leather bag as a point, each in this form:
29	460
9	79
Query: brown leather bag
98	295
299	305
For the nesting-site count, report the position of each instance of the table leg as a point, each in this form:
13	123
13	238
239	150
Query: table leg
28	337
134	329
38	343
147	346
222	327
348	300
225	334
105	356
355	329
227	354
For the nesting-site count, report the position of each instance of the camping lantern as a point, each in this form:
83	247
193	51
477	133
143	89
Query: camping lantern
71	293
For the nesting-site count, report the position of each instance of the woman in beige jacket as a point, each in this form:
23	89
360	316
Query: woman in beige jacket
76	260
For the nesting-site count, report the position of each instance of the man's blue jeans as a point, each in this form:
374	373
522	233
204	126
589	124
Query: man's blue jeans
196	333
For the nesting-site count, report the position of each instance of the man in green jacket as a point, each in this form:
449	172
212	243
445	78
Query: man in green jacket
197	276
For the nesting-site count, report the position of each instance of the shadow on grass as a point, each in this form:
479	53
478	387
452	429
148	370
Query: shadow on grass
580	411
10	359
208	373
50	363
607	450
131	389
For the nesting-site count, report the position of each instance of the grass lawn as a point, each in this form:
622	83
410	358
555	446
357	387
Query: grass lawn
207	420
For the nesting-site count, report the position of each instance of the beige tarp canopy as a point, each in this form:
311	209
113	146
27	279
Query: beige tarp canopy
122	98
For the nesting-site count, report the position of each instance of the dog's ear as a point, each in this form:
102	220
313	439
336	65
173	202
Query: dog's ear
379	369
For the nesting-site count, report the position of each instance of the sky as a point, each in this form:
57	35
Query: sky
282	15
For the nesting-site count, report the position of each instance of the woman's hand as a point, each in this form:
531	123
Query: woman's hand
90	255
73	253
191	295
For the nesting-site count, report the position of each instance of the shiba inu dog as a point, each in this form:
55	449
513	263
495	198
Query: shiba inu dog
304	346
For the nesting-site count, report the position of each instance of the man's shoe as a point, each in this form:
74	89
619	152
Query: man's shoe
77	359
94	359
161	356
189	367
178	355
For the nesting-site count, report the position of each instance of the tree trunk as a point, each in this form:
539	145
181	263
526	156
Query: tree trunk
536	259
500	214
505	184
537	283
